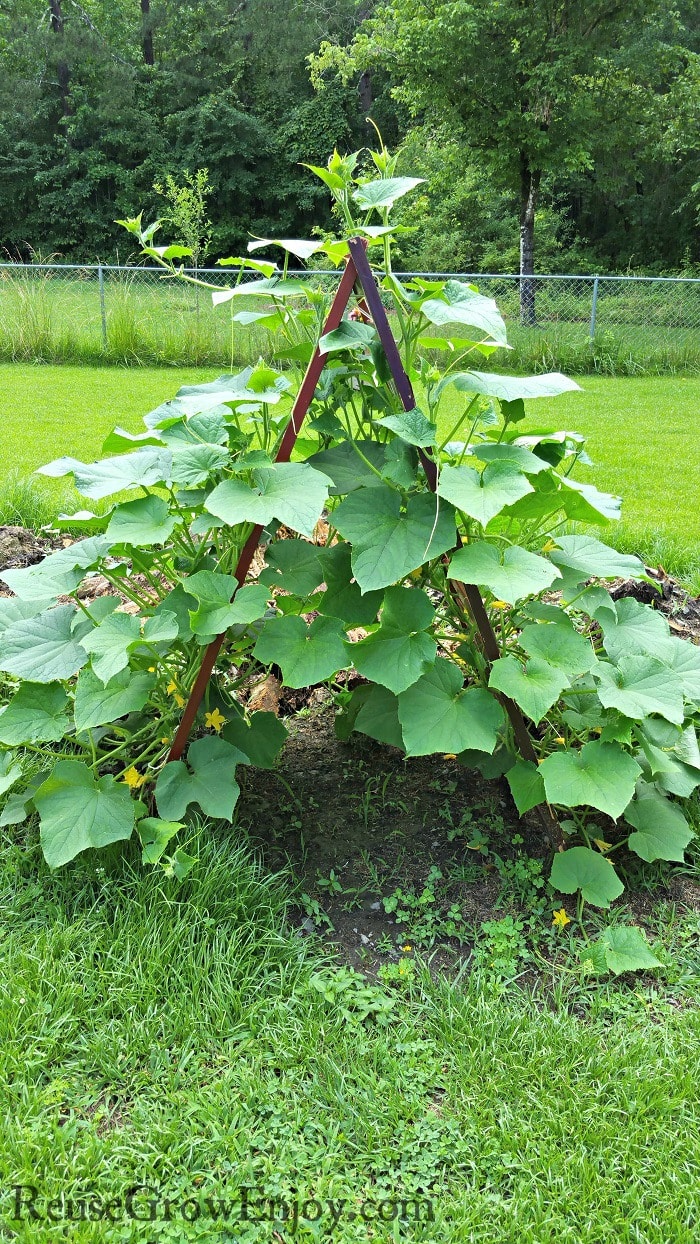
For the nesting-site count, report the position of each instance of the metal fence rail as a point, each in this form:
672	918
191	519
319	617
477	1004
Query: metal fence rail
131	312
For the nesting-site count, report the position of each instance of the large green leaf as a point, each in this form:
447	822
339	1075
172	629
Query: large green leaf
216	611
208	779
388	543
512	388
306	654
560	644
343	598
639	686
102	479
516	456
294	566
587	504
378	716
349	335
111	642
625	949
193	464
591	557
35	714
634	629
345	466
534	685
59	573
78	812
600	775
458	304
96	705
509	575
662	830
412	426
9	774
155	836
384	191
483	494
683	661
438	714
582	869
291	492
14	610
668	769
399	652
526	785
43	648
147	520
260	739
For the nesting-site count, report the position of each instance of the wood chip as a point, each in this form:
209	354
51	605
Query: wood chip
265	696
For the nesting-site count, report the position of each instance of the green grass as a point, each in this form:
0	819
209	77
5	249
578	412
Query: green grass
174	1039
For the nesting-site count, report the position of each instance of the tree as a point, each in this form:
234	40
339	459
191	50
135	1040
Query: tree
521	81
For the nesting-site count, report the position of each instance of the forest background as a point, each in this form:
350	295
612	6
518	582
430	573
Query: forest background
554	136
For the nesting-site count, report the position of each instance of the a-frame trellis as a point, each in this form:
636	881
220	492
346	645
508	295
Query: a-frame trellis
358	277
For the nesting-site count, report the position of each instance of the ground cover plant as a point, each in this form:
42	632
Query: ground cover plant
416	521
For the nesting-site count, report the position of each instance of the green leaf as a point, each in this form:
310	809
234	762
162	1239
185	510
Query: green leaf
260	739
399	652
162	628
209	781
600	775
526	785
294	566
291	492
346	469
262	288
514	455
458	304
384	191
350	335
668	769
625	949
300	248
43	648
535	686
306	654
683	661
15	610
591	557
9	773
640	686
343	598
512	388
634	629
216	611
59	573
35	714
387	544
102	479
588	504
483	494
193	464
662	830
78	812
560	644
378	716
144	521
97	705
412	426
437	714
582	869
509	575
155	836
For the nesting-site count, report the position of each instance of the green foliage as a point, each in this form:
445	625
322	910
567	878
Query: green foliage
613	694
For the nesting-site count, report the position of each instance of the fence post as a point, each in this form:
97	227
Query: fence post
594	308
103	310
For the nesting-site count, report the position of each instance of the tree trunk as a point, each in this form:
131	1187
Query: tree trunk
529	191
62	69
147	33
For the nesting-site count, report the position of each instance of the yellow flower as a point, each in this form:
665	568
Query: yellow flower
214	721
500	604
407	948
602	846
548	546
560	739
172	690
165	740
133	778
561	919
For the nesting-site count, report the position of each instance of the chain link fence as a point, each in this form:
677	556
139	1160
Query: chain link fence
134	314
